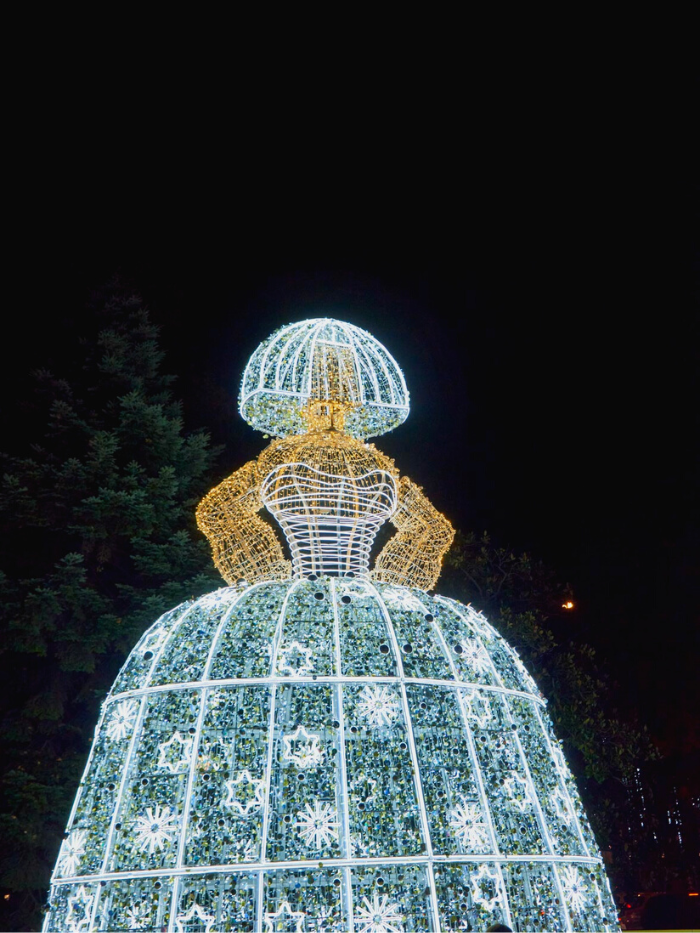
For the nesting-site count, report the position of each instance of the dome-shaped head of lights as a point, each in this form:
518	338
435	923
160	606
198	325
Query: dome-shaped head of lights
323	360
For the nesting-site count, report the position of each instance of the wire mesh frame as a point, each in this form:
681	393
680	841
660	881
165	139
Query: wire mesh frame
288	369
347	862
330	522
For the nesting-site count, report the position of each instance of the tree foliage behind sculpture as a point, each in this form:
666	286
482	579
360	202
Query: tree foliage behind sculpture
604	745
98	525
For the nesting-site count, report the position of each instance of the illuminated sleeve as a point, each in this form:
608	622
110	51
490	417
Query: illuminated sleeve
243	546
413	557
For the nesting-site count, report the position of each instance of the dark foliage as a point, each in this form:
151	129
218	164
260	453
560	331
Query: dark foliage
603	745
99	540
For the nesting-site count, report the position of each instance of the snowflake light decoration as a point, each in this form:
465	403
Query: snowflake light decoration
139	917
122	720
379	915
71	850
467	824
574	888
378	706
155	830
307	752
318	826
475	656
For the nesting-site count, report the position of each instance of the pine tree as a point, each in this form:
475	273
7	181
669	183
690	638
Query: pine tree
99	540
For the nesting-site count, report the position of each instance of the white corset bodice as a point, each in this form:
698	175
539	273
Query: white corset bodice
330	521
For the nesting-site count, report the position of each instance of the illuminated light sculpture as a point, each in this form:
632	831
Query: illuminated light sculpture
321	746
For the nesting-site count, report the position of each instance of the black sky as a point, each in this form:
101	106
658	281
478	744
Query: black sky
539	299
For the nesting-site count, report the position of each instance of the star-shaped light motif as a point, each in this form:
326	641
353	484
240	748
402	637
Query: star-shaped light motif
155	829
245	793
318	825
71	850
467	825
481	717
561	805
296	660
306	753
378	916
574	888
122	720
280	919
518	791
139	917
195	911
174	755
378	705
79	910
484	874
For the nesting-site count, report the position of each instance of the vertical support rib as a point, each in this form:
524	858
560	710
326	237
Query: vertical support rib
472	752
562	779
270	749
203	694
343	775
109	842
414	757
477	769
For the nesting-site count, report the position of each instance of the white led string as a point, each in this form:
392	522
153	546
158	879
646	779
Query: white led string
414	758
345	813
331	385
330	521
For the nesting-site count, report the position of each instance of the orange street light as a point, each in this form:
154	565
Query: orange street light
567	605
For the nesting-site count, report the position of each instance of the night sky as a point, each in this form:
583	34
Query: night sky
545	328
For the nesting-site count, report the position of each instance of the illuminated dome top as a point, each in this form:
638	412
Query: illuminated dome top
323	360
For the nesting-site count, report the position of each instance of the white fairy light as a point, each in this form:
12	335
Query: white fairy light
198	912
318	825
308	719
72	849
574	888
561	805
468	826
307	752
139	917
174	755
378	705
235	787
154	830
518	791
287	657
475	656
273	919
380	915
122	720
79	910
323	359
485	875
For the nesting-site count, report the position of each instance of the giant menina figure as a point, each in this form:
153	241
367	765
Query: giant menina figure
320	746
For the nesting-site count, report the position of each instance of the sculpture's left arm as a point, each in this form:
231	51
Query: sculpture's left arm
413	557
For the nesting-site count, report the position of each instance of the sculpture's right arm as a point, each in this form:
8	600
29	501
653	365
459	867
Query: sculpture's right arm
243	546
